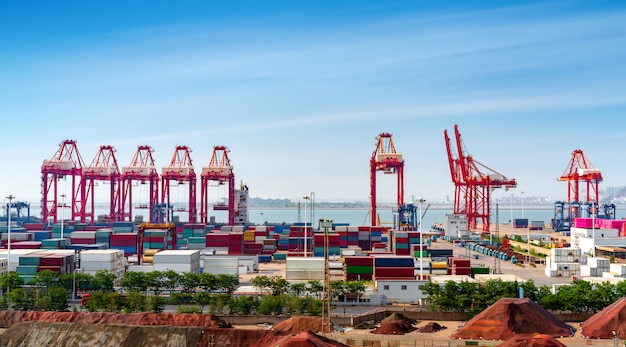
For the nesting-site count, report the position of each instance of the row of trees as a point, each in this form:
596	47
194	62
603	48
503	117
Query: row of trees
579	297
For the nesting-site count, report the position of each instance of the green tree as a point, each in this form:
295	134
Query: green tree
189	281
10	280
275	285
103	280
355	288
170	280
47	278
228	283
338	290
298	288
315	287
156	303
208	282
156	281
245	304
133	280
202	299
270	305
19	300
135	301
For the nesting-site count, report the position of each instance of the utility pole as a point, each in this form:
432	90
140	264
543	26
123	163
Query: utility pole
326	224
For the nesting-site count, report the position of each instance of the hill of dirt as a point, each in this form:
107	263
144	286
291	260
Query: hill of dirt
9	318
299	323
510	316
396	327
529	340
70	329
602	324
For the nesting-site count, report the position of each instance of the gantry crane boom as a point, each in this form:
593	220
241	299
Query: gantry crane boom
221	171
180	170
142	171
386	159
474	184
65	162
581	169
102	168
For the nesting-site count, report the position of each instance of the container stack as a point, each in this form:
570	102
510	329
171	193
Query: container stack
440	253
181	261
109	260
57	243
214	240
419	250
155	239
422	267
82	237
595	267
459	266
565	262
193	230
123	227
304	269
298	236
394	267
126	242
18	236
15	256
103	235
217	265
64	228
439	266
359	268
334	244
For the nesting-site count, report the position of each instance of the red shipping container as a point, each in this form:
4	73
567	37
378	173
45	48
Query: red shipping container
358	277
359	261
394	272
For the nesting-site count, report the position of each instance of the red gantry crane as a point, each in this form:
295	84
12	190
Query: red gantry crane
141	171
103	168
580	169
386	159
472	194
180	171
65	162
220	170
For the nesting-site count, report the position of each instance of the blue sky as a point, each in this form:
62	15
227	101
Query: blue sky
299	90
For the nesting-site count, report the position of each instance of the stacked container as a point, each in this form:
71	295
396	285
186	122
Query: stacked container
595	267
304	269
394	267
359	268
110	260
566	262
459	266
82	237
177	260
334	244
127	242
217	265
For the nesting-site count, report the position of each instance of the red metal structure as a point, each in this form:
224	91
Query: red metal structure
581	169
386	159
472	194
141	230
65	162
140	171
220	170
103	168
180	171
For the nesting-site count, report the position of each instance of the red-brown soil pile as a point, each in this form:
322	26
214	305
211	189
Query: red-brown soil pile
396	327
602	324
537	340
508	317
9	318
299	323
431	327
398	316
301	339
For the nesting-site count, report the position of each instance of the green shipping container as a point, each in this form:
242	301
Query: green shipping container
360	269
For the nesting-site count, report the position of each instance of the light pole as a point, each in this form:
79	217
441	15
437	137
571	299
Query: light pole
593	224
62	213
306	197
522	205
10	197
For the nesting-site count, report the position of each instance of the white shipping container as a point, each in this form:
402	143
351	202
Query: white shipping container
105	255
182	256
141	268
222	270
98	265
618	269
309	263
304	275
335	265
220	262
177	267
